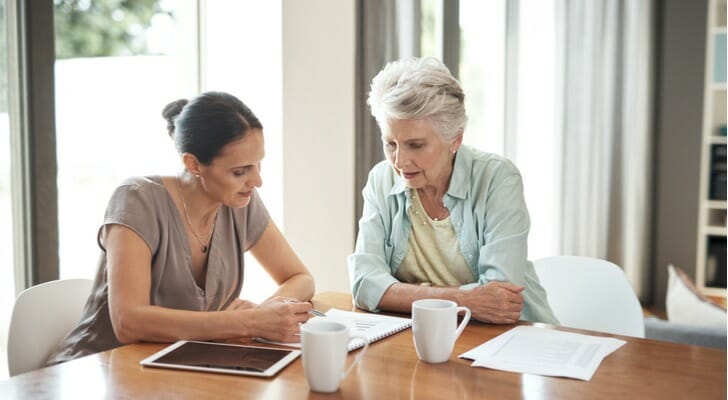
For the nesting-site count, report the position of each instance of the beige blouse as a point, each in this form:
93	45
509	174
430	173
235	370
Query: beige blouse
433	254
144	205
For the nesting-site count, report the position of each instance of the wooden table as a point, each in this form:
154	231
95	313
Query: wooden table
641	369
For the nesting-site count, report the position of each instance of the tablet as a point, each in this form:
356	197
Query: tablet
222	358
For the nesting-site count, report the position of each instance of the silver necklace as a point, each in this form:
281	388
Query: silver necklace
205	244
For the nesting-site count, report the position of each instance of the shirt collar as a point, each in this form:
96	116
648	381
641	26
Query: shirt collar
461	171
399	185
459	181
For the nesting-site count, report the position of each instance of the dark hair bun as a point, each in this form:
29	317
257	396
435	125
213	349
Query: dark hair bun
171	111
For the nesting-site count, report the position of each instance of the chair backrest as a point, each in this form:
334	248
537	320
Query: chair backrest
42	316
590	293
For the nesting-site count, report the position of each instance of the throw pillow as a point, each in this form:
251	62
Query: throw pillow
686	305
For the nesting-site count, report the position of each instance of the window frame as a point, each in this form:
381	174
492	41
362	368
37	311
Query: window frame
31	58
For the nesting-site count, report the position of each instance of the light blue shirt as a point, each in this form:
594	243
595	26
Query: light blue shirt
487	211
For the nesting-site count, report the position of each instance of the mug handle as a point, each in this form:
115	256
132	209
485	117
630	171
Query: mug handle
358	357
464	322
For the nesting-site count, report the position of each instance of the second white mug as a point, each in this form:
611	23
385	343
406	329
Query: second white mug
435	328
325	345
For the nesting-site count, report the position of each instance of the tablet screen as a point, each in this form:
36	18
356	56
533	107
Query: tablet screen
221	357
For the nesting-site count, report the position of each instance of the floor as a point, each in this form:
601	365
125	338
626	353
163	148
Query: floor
654	312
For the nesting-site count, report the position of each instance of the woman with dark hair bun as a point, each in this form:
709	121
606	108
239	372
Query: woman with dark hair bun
172	247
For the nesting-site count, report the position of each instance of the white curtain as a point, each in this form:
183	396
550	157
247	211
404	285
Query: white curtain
603	66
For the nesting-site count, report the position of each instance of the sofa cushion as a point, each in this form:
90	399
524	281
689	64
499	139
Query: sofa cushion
686	305
705	336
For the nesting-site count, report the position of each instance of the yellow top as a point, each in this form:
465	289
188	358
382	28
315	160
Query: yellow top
433	254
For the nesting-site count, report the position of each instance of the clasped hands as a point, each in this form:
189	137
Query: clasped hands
495	302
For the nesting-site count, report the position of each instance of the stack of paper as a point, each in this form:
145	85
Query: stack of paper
533	350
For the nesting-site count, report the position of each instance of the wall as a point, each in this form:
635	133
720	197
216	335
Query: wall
318	135
678	126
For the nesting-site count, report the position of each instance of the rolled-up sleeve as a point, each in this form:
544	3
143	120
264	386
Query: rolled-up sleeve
369	272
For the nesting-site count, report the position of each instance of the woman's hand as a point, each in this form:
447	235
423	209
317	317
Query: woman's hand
495	302
279	319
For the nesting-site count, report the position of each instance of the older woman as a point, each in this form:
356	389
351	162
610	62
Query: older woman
440	219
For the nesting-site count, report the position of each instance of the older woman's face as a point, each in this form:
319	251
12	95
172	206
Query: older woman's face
418	153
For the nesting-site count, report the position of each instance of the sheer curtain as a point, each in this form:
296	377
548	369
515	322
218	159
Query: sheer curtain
603	66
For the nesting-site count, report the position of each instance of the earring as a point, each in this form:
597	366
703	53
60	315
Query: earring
197	176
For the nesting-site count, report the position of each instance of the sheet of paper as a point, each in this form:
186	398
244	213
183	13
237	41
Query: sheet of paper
540	351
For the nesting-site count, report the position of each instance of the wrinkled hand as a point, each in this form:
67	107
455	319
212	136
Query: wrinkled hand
495	302
279	319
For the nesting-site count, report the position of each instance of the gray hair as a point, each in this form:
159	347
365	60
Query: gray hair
419	88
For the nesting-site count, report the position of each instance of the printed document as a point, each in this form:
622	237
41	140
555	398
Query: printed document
540	351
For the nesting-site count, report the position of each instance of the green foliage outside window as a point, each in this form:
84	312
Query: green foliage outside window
103	28
91	28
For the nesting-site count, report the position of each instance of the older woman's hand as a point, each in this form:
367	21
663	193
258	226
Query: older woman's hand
495	302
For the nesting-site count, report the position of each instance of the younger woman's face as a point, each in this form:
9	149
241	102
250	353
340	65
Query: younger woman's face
235	172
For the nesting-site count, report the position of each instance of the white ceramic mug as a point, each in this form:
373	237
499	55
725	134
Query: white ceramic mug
324	346
435	328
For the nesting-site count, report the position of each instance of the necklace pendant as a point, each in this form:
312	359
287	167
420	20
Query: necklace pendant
204	249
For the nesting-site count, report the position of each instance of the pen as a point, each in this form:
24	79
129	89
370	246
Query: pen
312	311
316	312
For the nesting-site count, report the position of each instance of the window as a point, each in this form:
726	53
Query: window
7	286
510	107
251	69
482	71
535	131
109	100
111	86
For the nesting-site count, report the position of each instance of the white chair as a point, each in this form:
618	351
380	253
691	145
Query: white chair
42	316
589	293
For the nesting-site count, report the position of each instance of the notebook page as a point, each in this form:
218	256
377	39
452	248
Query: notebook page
372	326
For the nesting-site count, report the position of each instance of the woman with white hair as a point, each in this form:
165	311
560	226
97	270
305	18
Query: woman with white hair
440	219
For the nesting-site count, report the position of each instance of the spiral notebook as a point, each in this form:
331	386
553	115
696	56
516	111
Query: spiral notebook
372	326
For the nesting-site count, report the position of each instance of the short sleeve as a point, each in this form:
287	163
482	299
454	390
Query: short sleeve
137	208
257	220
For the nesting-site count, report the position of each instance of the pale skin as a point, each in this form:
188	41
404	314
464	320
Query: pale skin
229	179
424	159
